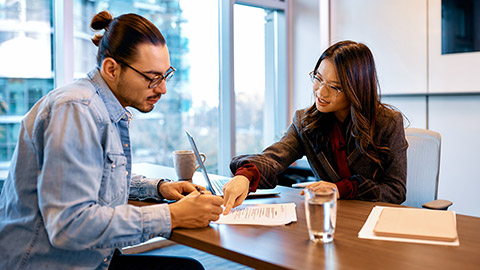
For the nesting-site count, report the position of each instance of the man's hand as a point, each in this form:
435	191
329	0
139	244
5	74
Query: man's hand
235	192
178	190
321	184
195	210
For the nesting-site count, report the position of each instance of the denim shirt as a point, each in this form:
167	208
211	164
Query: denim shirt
64	202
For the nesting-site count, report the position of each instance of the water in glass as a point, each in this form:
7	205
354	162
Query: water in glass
321	210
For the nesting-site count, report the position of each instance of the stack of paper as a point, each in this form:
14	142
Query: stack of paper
261	214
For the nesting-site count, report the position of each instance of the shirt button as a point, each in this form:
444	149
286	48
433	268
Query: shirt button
126	145
113	165
105	259
126	173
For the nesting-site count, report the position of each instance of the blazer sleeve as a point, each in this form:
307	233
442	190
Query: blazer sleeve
275	158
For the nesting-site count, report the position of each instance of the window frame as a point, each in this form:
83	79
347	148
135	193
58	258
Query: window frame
278	70
63	17
278	77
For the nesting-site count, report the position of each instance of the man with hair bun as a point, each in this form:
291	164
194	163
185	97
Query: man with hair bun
64	203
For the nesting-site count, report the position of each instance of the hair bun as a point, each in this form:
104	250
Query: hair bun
100	21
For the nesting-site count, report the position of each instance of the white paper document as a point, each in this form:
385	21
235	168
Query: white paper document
260	214
367	232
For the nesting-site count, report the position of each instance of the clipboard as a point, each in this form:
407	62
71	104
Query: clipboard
417	224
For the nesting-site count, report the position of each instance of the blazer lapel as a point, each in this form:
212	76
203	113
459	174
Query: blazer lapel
328	168
353	157
321	162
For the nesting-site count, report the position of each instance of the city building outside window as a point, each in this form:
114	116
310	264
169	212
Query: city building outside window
25	66
28	49
191	102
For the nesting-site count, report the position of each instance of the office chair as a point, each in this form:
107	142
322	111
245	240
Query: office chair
423	166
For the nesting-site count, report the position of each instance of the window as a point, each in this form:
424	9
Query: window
460	22
191	102
260	80
253	83
26	66
195	99
249	63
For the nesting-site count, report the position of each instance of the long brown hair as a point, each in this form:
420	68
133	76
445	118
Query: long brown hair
358	79
122	35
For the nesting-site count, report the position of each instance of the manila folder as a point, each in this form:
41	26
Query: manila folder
417	223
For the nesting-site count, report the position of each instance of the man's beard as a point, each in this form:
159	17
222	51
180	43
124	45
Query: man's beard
122	86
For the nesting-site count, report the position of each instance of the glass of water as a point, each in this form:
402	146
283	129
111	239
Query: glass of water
321	212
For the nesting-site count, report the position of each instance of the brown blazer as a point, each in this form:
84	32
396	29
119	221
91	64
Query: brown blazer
374	183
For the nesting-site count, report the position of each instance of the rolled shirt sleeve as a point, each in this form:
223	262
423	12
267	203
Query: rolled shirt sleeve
142	188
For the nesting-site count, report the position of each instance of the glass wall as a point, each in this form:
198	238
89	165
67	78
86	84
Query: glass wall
191	102
249	59
26	66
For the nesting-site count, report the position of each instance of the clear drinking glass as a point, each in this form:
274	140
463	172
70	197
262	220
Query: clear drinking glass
321	212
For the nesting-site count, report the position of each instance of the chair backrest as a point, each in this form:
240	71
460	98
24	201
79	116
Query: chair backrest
423	166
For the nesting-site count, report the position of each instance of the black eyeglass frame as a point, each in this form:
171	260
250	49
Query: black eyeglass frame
157	79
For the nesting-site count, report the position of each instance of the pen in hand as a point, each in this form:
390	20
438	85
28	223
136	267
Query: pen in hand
199	190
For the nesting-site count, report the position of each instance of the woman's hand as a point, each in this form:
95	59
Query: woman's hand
235	192
321	184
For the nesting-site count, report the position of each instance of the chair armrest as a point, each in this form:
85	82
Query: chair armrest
437	204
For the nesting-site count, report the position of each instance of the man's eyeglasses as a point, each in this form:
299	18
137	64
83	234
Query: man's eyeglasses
155	81
318	82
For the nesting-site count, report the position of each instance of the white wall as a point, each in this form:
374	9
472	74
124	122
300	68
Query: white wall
306	50
457	118
414	109
395	31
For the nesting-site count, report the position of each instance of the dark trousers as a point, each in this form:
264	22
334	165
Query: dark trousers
132	261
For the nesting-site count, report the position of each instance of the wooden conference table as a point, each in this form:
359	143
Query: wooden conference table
288	247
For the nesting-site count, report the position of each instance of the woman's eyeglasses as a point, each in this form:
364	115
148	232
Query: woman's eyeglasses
319	82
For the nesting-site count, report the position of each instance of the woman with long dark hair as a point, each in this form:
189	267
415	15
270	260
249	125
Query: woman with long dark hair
352	141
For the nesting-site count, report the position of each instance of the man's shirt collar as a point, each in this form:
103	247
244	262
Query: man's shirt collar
115	109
